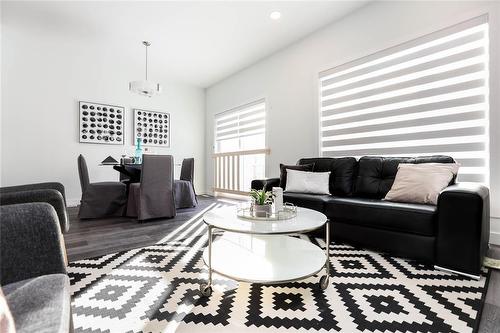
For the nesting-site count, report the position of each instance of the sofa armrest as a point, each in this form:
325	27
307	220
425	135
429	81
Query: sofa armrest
50	196
38	186
463	227
265	184
258	184
31	242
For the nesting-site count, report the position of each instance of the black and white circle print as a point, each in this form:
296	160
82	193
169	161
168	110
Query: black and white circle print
152	128
156	289
101	123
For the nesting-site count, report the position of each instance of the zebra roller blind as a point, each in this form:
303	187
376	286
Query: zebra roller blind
233	126
424	97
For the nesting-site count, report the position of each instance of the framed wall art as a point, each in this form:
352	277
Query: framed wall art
153	128
101	123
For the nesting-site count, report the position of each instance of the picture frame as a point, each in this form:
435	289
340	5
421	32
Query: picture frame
101	123
152	127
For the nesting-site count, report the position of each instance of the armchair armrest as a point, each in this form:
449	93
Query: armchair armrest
39	186
51	196
265	184
463	227
31	242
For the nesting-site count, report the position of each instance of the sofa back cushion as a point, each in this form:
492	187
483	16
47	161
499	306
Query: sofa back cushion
342	172
376	174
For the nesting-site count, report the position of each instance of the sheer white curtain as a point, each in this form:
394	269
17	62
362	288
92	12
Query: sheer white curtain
241	134
427	96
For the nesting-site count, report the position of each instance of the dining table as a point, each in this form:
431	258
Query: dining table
130	171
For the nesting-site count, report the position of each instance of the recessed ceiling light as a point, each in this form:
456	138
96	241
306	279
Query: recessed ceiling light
275	15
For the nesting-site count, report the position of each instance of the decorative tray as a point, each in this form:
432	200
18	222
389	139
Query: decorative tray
247	212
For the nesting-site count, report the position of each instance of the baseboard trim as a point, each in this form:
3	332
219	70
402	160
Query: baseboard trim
72	202
475	277
495	237
76	202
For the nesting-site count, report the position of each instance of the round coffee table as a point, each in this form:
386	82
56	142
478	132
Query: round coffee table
261	252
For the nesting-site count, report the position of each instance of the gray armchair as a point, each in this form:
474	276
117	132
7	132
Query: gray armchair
33	268
103	199
52	193
38	186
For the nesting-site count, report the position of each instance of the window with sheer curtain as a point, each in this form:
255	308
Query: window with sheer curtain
240	142
242	128
424	97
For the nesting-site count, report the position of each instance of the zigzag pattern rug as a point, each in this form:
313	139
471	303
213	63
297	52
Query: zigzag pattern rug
155	289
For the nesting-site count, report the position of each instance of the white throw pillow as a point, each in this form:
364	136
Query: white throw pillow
307	182
421	183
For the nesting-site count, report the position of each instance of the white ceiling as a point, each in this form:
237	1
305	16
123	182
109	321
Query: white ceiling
198	43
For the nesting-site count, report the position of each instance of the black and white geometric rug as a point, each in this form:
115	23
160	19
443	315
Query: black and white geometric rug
155	289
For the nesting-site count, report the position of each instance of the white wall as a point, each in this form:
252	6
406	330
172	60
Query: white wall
288	79
46	71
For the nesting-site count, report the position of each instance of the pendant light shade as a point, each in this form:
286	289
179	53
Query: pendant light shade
145	87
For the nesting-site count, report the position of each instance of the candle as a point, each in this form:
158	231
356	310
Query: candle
278	199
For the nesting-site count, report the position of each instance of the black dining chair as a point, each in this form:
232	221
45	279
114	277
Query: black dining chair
102	199
153	197
185	195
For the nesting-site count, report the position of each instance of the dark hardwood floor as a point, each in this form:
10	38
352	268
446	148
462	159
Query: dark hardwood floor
490	318
91	238
95	237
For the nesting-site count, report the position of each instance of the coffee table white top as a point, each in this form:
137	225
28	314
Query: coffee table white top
264	258
225	218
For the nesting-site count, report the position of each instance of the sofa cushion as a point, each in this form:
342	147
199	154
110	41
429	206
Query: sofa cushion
402	217
312	201
342	172
376	174
40	304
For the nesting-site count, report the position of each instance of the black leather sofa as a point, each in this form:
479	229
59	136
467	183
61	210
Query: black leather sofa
453	235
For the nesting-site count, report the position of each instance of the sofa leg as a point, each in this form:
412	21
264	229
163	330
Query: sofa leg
475	277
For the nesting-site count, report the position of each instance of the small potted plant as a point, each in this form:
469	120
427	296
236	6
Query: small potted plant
262	202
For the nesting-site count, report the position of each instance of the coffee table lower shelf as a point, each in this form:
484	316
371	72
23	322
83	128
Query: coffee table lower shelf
264	259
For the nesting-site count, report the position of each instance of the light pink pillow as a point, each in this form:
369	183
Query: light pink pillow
421	183
6	320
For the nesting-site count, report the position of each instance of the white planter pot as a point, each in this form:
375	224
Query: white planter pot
262	210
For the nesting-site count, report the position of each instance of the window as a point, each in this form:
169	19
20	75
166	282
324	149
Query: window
428	96
240	142
242	128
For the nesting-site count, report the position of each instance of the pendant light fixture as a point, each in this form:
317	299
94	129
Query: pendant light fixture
145	87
